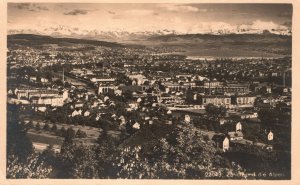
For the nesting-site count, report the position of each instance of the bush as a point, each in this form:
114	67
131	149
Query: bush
210	127
46	127
29	125
206	138
38	126
63	132
204	127
70	133
81	134
54	128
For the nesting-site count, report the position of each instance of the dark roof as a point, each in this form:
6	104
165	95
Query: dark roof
48	97
235	134
244	95
131	88
214	96
45	92
237	85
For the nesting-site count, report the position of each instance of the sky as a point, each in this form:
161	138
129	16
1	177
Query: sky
179	18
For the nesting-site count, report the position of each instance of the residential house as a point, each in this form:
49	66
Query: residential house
187	118
222	120
235	136
221	142
136	125
238	127
270	136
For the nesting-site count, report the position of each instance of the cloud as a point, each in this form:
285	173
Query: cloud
133	13
117	16
212	27
111	12
33	7
219	27
77	12
259	26
181	8
139	12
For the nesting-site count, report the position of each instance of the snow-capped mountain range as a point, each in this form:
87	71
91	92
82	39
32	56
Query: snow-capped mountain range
121	35
118	35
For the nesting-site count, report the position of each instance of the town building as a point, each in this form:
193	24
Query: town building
215	100
52	97
243	100
235	136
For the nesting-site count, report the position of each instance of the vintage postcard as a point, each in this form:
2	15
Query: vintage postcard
132	92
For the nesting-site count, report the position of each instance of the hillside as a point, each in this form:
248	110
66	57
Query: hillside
32	40
250	45
193	45
266	37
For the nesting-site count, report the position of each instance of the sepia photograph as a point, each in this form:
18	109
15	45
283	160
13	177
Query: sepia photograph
149	91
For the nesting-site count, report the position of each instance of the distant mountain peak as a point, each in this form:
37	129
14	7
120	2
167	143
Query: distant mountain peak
123	35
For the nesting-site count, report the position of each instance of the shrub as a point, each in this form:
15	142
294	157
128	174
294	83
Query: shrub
81	134
38	126
70	133
46	127
63	132
54	128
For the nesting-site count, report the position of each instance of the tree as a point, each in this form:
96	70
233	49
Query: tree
215	111
80	134
63	132
105	151
32	167
77	161
38	126
54	128
269	117
18	144
222	111
22	162
120	108
184	154
49	156
130	164
70	133
85	162
46	127
66	159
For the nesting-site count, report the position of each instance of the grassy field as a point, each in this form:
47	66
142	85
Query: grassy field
41	137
